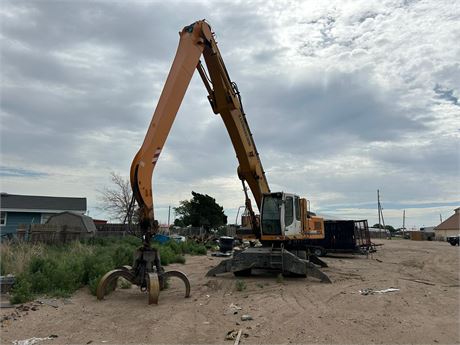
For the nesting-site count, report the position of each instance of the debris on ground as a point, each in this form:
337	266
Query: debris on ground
246	317
221	254
17	311
67	301
51	302
420	281
212	284
232	309
238	336
231	335
33	340
366	292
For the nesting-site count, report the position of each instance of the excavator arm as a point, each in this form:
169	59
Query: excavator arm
196	40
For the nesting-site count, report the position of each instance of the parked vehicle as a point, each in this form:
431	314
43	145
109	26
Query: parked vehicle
454	240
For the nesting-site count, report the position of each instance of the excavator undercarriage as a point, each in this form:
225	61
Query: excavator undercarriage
272	259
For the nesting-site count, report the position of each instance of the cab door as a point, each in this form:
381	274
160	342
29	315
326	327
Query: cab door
292	223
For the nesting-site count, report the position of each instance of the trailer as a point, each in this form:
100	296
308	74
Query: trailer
343	236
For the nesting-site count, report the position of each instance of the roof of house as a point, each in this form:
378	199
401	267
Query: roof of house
35	203
451	223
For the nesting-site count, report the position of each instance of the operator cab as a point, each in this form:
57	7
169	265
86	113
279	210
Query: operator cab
281	215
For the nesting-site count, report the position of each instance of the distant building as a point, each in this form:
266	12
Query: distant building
449	227
379	233
32	209
74	220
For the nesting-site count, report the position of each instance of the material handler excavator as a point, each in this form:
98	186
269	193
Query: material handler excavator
285	224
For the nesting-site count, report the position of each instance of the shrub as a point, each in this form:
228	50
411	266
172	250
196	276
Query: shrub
179	259
240	285
61	270
279	278
122	255
22	291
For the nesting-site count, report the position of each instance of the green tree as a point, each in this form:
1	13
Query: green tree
201	210
390	228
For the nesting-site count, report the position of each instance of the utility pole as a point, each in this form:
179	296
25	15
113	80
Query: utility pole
169	214
381	219
404	223
378	210
440	218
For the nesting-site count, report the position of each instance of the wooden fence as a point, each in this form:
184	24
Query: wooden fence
56	234
48	233
115	230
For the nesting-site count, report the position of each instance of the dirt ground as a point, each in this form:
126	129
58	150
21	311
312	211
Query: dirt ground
424	311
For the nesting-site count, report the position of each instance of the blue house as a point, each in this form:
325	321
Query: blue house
31	209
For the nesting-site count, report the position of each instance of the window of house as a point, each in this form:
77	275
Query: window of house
3	219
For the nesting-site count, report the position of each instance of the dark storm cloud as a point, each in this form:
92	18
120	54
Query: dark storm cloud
446	94
70	68
146	31
80	81
438	156
331	113
54	25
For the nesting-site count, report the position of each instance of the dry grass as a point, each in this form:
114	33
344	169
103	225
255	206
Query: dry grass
16	258
80	249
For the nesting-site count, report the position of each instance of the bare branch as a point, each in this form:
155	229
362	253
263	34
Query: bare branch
115	200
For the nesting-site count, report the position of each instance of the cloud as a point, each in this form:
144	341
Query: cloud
342	99
329	111
10	172
445	94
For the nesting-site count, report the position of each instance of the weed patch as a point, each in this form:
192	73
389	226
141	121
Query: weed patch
280	278
61	270
240	285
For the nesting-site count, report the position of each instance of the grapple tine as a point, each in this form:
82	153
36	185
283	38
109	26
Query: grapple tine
109	278
181	276
153	287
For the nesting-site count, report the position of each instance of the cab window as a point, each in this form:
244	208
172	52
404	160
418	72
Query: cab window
297	208
289	211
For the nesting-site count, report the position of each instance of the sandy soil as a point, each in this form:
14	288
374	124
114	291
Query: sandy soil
425	310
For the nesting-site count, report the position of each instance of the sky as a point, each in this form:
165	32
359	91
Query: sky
342	97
